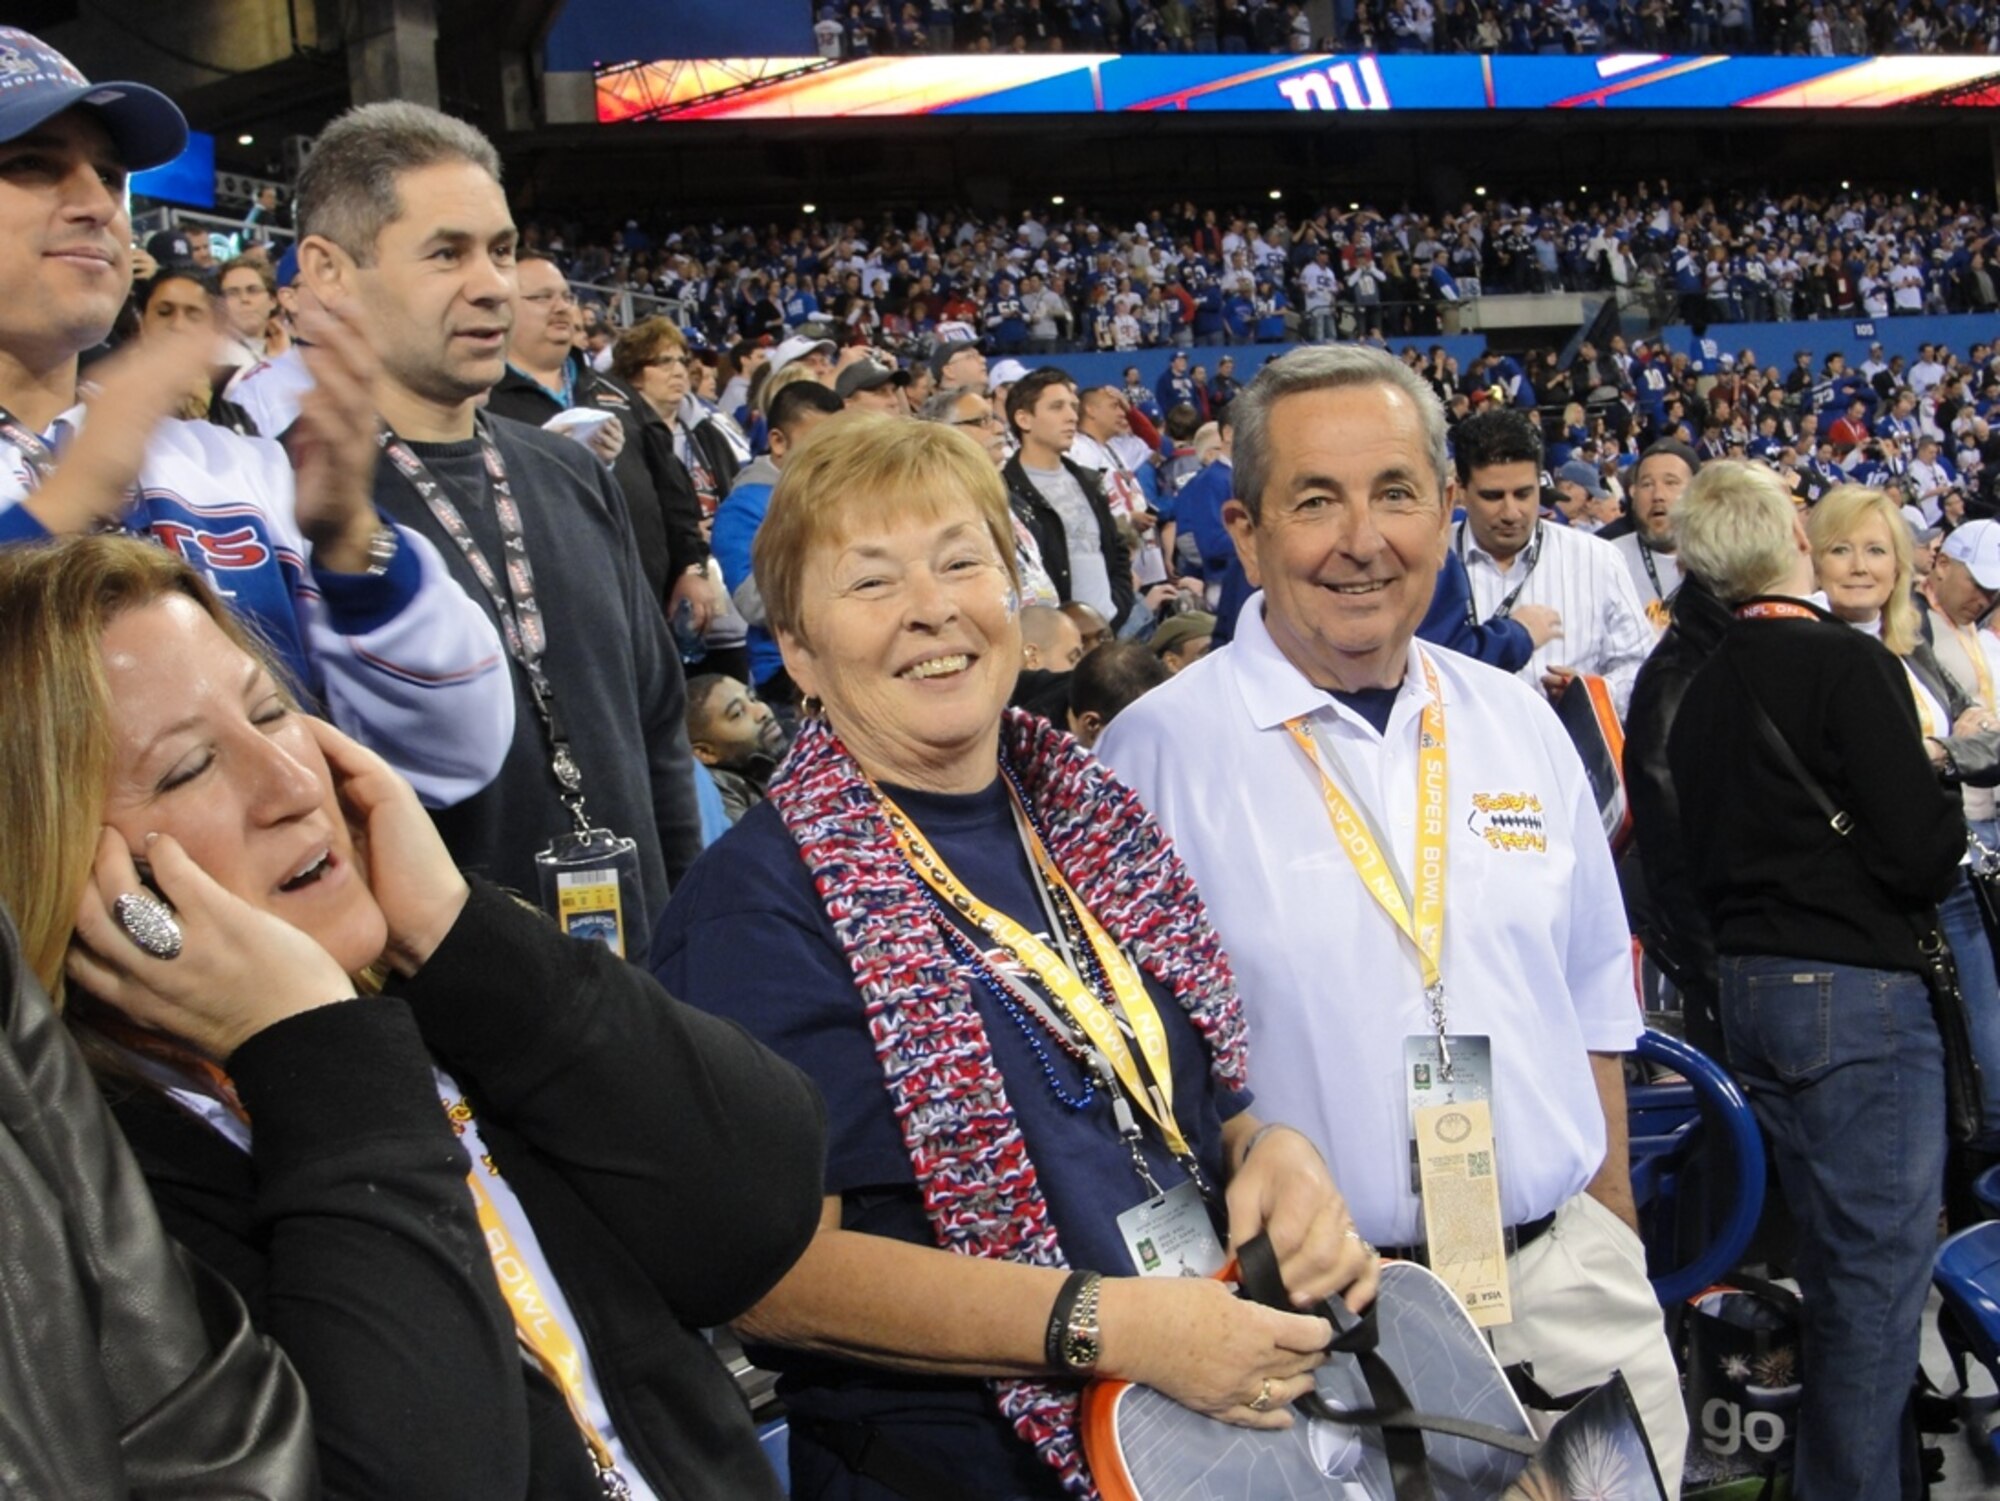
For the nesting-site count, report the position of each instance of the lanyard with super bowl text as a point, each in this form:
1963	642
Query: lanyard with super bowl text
540	1333
1094	1002
590	880
1448	1079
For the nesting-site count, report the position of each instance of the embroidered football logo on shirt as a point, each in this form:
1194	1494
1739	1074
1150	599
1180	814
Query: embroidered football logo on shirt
1511	821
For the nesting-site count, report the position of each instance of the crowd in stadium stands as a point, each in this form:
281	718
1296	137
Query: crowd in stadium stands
867	28
898	945
1184	276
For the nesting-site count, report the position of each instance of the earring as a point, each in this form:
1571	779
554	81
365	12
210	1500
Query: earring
811	708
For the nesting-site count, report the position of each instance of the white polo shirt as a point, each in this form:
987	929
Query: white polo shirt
1536	952
1581	578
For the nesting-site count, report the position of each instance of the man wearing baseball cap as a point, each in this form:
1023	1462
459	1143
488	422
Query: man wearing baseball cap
871	386
817	353
958	362
364	615
1960	591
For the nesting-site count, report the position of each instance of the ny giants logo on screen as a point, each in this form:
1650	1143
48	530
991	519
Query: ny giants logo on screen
1355	85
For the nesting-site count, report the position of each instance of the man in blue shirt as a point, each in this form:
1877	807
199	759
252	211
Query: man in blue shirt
1175	384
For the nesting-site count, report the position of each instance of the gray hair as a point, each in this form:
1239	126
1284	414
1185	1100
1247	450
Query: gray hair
1736	528
347	189
939	406
1322	367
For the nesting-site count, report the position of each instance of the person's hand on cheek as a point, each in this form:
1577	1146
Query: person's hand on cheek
213	971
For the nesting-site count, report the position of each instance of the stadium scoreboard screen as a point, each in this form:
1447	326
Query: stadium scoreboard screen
812	88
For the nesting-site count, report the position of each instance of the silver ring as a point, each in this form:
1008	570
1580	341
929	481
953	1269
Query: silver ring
1263	1401
148	922
1356	1236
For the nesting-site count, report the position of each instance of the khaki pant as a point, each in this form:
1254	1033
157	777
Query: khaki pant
1583	1309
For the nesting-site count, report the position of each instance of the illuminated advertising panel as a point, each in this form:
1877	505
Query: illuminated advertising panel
811	88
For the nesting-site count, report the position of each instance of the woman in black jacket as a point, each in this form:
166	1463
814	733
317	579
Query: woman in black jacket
226	884
1824	1008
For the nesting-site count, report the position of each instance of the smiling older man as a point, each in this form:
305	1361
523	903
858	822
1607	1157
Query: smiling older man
1403	856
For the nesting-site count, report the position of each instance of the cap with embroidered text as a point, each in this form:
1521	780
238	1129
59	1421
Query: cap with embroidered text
37	83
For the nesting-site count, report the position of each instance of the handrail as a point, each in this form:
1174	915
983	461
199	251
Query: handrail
1719	1091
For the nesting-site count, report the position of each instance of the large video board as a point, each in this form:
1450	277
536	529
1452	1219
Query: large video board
810	88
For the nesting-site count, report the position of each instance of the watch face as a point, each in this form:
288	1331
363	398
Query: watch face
1080	1349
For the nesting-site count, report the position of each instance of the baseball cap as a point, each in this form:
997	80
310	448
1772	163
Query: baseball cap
171	247
1005	373
867	375
1579	473
797	348
1176	629
37	83
942	356
1977	546
287	270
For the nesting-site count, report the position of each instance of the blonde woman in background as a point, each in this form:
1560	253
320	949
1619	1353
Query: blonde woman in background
1862	555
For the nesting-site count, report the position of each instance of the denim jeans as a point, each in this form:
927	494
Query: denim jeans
1972	951
1845	1072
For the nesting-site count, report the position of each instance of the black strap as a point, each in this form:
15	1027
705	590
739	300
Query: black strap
1402	1425
34	452
1505	609
510	588
1963	1088
1841	822
1531	1393
871	1454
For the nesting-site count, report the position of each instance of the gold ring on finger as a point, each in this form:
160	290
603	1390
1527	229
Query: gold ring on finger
1263	1400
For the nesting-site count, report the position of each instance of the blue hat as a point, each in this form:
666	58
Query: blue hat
288	266
37	83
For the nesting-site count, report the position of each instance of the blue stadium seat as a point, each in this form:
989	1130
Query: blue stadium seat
1701	1117
776	1439
1967	1277
1986	1189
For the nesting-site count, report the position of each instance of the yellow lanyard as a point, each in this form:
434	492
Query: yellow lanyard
535	1322
1969	639
1424	929
1155	1096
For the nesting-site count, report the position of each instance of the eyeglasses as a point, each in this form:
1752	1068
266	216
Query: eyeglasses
563	298
668	362
989	420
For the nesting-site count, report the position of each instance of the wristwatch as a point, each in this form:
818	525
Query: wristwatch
382	550
1074	1334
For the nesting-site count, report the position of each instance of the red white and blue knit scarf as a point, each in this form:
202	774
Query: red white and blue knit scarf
979	1187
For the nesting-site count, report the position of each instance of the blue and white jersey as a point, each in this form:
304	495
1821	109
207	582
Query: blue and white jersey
407	662
270	391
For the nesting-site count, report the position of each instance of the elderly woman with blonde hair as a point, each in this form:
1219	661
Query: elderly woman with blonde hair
989	958
1818	930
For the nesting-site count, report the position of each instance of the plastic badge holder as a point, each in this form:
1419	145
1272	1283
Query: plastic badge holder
590	884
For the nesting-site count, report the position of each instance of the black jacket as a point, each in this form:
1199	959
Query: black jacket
1675	927
1775	877
610	659
127	1368
659	496
1040	518
670	1165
